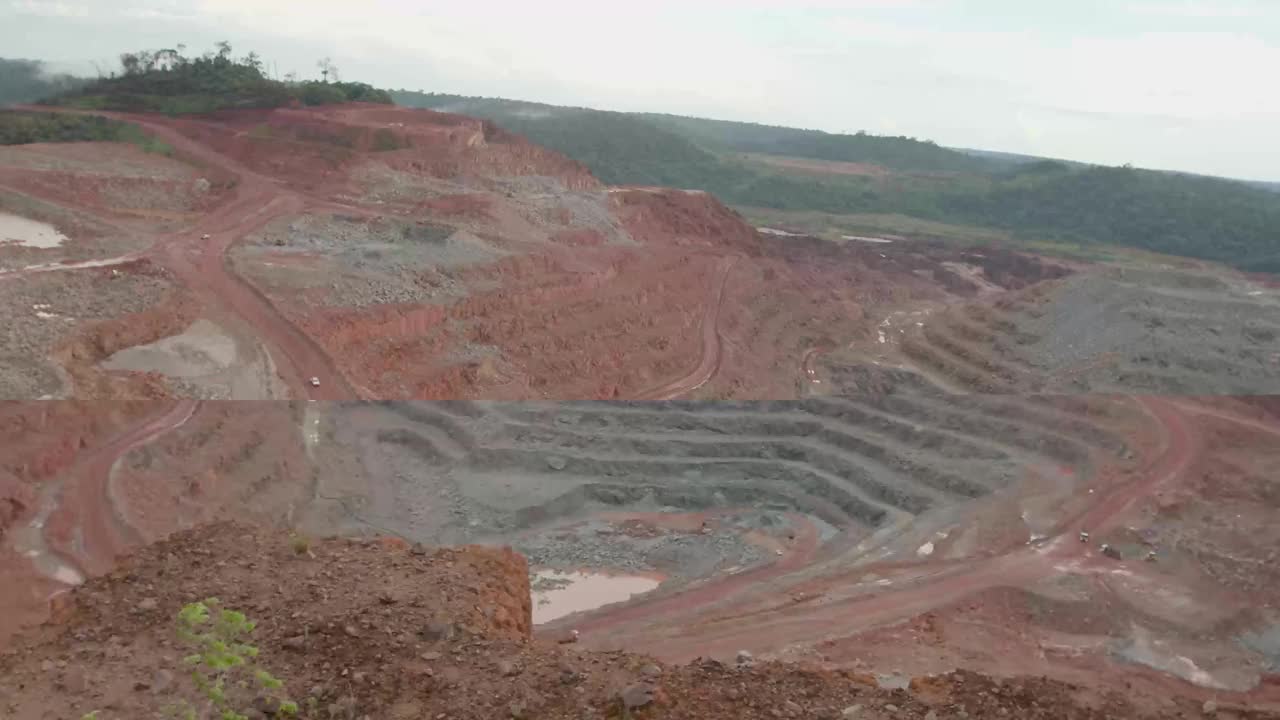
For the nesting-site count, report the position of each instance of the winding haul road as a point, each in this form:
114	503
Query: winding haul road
712	343
203	267
97	528
716	619
256	200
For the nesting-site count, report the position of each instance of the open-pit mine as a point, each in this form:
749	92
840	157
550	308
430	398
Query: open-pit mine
367	252
893	460
1120	542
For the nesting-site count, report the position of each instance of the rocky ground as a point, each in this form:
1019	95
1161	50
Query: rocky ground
883	463
891	536
1131	327
417	255
377	629
60	325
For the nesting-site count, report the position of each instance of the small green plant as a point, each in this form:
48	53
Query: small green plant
90	715
223	665
300	543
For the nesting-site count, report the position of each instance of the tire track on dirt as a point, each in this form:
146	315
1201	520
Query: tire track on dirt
100	527
709	362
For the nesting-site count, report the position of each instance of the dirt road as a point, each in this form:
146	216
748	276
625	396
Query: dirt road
717	621
709	361
202	264
78	529
797	556
808	367
1253	423
257	201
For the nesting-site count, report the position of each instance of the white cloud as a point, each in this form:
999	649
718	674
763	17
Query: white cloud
50	8
1199	9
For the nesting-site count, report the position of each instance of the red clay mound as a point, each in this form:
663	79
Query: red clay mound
370	629
309	147
662	216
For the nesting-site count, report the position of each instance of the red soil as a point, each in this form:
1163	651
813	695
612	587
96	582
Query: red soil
99	508
698	302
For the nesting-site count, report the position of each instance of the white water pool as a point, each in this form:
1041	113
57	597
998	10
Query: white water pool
29	233
582	591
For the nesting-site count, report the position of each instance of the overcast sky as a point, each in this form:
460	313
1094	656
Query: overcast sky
1176	84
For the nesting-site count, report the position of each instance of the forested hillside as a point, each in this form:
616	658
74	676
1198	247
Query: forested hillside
894	153
1224	220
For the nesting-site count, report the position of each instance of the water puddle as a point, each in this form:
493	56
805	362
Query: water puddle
28	540
202	349
54	267
557	593
779	233
29	233
862	238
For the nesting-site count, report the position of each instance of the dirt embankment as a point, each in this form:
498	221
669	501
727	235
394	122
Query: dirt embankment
377	629
82	483
317	148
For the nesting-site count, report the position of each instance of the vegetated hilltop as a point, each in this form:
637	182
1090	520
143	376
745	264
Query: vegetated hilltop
375	629
1215	219
168	81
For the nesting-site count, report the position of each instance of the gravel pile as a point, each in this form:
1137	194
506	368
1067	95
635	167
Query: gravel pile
378	262
1145	331
1085	318
548	202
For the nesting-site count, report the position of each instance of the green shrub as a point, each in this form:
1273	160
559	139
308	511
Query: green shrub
19	128
223	665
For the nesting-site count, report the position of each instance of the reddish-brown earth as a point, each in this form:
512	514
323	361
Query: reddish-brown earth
71	506
564	289
376	629
396	254
1169	634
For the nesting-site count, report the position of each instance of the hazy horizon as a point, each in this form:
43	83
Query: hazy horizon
1165	84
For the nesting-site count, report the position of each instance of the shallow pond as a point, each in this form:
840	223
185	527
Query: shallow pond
557	593
29	233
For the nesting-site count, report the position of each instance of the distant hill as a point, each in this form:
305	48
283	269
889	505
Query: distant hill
620	149
895	153
610	134
1008	159
1224	220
